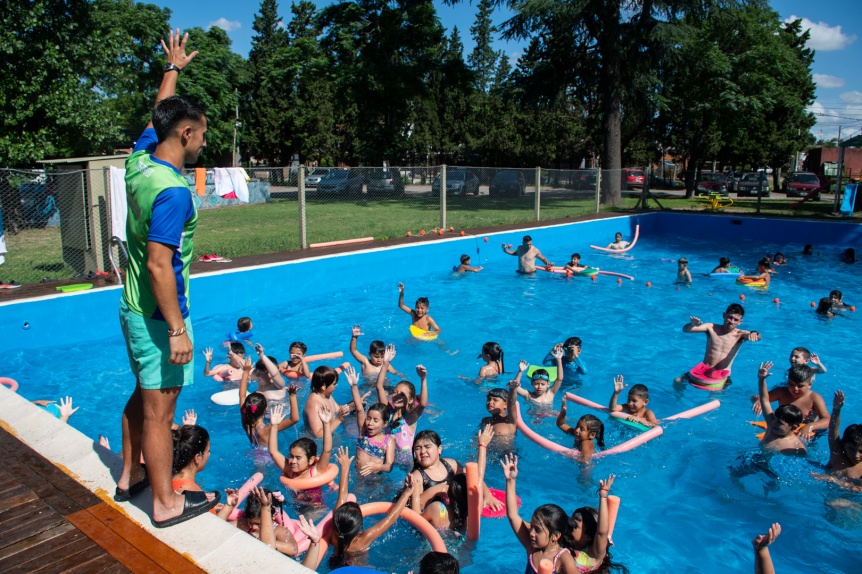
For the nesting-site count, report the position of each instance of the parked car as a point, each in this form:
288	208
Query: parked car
341	182
385	182
459	181
657	182
751	182
585	179
507	183
312	179
711	182
632	179
733	176
801	184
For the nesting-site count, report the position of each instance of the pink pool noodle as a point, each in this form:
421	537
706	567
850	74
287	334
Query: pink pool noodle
243	492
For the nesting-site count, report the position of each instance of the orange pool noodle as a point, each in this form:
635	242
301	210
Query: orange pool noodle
409	234
474	501
422	232
546	566
462	233
613	510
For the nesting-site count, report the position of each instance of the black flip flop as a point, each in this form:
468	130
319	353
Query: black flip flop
196	504
126	494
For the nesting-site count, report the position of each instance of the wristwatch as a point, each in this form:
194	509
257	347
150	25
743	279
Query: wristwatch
171	67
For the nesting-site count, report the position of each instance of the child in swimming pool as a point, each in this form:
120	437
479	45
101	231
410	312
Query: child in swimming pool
454	514
824	307
574	265
618	243
435	475
838	303
302	461
722	341
349	539
802	356
590	534
588	432
779	259
253	408
191	453
780	425
372	364
549	534
465	266
258	519
723	264
244	324
845	453
543	393
572	362
764	273
762	559
297	366
406	408
501	404
683	275
232	371
375	447
636	404
323	382
798	392
492	354
268	378
419	315
849	255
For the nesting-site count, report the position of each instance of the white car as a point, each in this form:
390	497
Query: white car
312	179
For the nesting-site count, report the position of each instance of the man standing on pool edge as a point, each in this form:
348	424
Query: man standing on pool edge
154	309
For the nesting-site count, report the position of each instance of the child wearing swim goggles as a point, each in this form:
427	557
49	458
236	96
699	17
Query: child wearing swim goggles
543	393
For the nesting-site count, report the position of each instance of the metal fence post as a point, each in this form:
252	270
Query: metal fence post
598	187
443	197
537	205
303	240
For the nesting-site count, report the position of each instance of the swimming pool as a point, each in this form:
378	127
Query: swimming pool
684	501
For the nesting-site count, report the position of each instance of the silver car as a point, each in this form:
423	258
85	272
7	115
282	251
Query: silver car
312	179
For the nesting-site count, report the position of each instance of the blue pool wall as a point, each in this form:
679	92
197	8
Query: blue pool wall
92	315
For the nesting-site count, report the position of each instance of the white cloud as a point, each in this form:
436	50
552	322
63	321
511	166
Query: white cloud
824	38
514	58
827	81
851	97
225	24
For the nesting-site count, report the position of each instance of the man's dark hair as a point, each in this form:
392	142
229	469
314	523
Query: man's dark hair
735	309
171	111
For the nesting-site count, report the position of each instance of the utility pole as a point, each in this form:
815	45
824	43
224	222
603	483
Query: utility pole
837	200
236	125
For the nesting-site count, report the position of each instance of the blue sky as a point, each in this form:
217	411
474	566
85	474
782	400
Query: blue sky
837	64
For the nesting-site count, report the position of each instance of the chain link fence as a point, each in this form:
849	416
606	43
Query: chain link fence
67	221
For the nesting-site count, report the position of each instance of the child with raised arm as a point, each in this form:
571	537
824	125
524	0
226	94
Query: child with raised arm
372	364
323	383
375	448
572	362
296	367
588	432
722	341
406	408
762	559
798	393
268	377
302	460
349	540
253	407
543	393
464	267
232	371
802	356
419	315
636	404
501	404
683	275
845	453
780	424
258	520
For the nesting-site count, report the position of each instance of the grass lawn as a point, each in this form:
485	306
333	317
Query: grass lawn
272	227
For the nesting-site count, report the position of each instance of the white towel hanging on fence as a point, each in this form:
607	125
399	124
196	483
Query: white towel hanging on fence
118	202
239	178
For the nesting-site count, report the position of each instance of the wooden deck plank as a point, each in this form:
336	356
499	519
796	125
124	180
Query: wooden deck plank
30	527
23	498
48	551
118	547
168	558
33	542
69	558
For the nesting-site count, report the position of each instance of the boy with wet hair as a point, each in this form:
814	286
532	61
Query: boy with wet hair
781	423
465	266
798	393
723	265
764	273
244	324
439	563
501	404
376	350
573	365
802	356
636	404
419	315
296	366
722	341
837	300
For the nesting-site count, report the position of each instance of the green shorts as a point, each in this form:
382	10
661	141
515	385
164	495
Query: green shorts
149	348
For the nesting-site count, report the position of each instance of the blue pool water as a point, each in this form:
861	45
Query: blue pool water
691	499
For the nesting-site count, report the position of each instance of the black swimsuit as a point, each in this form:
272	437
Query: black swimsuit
428	483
